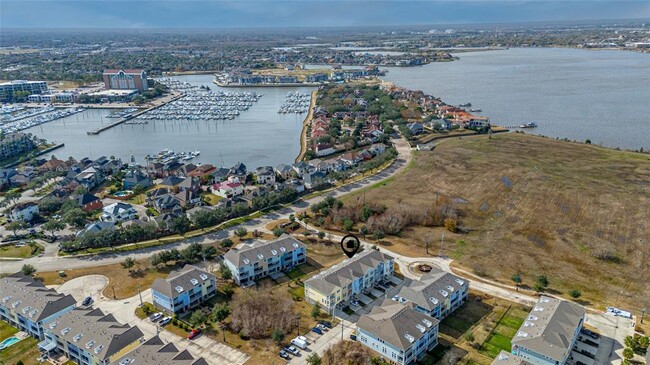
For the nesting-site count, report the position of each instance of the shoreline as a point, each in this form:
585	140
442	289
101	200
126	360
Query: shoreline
294	84
305	124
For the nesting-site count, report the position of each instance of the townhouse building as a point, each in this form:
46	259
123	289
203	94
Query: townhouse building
549	332
436	294
88	336
350	277
28	305
259	260
183	290
155	351
398	332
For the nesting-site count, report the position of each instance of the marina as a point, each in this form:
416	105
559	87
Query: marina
10	114
201	103
295	102
40	118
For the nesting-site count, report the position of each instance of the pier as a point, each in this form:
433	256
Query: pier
122	120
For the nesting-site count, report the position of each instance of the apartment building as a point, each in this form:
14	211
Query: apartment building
183	290
350	277
506	358
88	336
15	144
437	294
9	89
259	260
155	351
398	332
549	332
135	79
28	305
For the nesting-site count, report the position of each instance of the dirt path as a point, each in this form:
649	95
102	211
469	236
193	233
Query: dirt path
305	125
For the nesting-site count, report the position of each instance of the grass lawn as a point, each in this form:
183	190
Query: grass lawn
6	330
137	199
124	284
25	351
20	252
503	332
562	205
210	198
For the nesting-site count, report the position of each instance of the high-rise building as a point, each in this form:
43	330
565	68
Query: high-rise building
125	79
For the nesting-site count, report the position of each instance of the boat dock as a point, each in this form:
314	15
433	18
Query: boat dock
129	117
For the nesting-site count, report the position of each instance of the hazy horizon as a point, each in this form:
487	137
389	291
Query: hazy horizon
227	14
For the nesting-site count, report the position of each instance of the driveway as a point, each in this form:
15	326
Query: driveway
85	286
322	342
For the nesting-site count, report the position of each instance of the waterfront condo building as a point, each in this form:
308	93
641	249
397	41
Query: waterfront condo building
155	351
125	79
350	277
437	294
88	336
259	260
9	89
183	290
28	305
398	332
549	332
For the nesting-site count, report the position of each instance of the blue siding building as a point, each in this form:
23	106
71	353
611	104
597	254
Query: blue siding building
183	290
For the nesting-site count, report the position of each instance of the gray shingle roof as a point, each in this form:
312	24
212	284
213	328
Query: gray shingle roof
345	272
248	255
430	290
397	324
101	334
35	301
155	351
506	358
549	328
183	279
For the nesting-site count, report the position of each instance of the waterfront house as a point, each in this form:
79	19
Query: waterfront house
397	332
192	184
435	294
220	175
314	179
265	175
183	290
88	336
227	189
88	202
155	351
165	203
324	149
90	178
350	277
259	260
28	305
54	165
301	168
238	170
133	178
188	198
25	212
202	171
185	170
284	171
96	227
118	212
549	332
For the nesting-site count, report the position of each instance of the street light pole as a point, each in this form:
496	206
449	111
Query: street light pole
140	295
442	243
642	314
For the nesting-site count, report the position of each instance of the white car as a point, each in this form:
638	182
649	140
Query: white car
156	316
354	303
165	320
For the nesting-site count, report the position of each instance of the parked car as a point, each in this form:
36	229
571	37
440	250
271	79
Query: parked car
195	333
300	342
156	316
353	337
87	301
326	324
292	350
165	320
321	327
395	298
317	330
354	303
283	354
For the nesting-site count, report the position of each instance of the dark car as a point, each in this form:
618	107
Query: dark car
87	301
283	354
195	333
326	324
353	337
317	330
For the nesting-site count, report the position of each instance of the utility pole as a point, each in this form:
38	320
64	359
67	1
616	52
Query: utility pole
342	325
140	295
642	314
442	243
113	287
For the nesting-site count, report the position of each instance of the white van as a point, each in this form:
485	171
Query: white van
299	343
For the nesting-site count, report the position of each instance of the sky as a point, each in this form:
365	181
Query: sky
304	13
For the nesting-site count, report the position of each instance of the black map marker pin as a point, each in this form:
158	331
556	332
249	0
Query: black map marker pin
350	245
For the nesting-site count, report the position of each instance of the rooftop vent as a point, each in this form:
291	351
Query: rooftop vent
179	288
203	277
444	293
283	249
16	303
528	324
544	300
433	300
538	309
450	288
53	325
6	299
77	337
295	245
246	261
33	313
274	252
98	349
90	344
65	331
522	334
194	281
460	282
260	256
427	322
409	338
503	357
532	318
26	309
420	327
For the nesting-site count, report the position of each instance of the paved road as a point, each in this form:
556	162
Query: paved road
59	263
